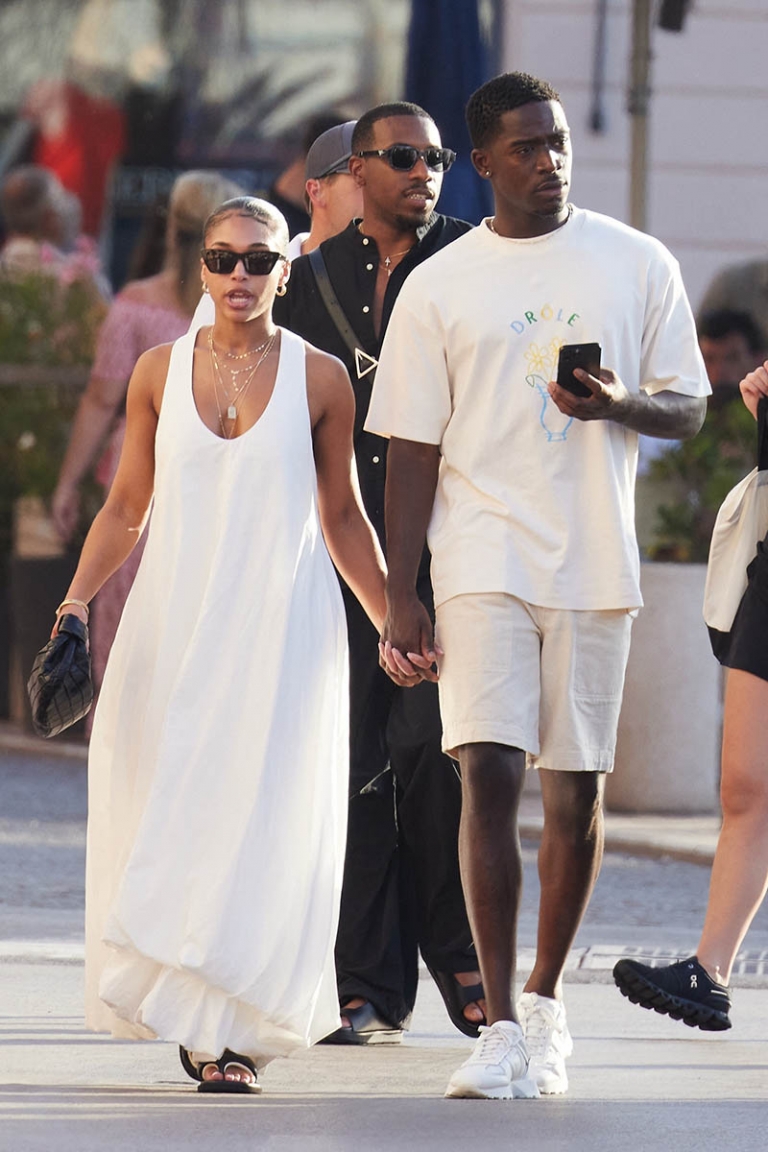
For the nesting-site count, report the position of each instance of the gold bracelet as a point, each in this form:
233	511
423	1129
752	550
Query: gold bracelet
79	603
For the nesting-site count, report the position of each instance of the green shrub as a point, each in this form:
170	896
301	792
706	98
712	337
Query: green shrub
49	321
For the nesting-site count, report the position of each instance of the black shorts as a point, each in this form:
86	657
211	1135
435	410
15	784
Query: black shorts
746	645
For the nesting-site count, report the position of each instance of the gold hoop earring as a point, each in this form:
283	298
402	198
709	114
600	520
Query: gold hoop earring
205	287
281	290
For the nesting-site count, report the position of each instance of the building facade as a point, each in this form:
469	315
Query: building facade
707	139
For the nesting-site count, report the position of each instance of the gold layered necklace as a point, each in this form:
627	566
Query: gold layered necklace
235	373
241	355
238	389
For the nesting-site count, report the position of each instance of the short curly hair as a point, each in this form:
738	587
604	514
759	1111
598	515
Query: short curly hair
503	94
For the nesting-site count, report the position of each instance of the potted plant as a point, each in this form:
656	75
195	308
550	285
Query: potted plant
669	730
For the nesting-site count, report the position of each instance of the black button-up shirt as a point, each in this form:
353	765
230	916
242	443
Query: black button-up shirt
352	261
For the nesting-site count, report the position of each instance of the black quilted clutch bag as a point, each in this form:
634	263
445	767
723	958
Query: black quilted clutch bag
60	688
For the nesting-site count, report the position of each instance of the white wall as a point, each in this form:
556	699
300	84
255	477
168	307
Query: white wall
708	146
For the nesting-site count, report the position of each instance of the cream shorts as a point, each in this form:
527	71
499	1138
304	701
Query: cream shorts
547	680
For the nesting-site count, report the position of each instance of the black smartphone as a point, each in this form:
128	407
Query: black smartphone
586	356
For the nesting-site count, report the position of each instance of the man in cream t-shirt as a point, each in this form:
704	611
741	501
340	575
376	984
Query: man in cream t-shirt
528	496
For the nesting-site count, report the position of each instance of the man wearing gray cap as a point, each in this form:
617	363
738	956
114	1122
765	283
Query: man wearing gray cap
333	197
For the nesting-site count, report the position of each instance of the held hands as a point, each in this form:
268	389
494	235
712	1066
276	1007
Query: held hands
753	386
407	650
608	397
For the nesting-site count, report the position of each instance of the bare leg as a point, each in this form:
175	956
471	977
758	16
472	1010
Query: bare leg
491	869
740	870
570	855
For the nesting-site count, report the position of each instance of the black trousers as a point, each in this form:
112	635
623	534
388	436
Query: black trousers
402	890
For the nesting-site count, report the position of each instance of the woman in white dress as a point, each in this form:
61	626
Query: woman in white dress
218	762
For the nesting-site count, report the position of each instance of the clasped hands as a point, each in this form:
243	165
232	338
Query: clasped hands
407	649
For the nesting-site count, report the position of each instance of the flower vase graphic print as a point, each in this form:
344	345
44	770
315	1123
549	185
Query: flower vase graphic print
542	367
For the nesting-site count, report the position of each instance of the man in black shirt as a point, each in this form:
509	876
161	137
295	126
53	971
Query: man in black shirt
402	889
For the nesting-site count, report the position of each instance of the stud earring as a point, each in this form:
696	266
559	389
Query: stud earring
487	173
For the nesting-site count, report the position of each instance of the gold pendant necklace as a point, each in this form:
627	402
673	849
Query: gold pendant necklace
388	259
239	392
246	369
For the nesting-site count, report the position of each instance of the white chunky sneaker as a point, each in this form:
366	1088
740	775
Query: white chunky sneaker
497	1068
548	1040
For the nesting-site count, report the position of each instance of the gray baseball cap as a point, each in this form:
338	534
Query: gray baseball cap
330	152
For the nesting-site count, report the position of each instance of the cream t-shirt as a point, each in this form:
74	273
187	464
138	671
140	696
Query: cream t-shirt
528	501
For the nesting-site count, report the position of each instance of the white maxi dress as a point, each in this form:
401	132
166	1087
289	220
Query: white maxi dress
218	765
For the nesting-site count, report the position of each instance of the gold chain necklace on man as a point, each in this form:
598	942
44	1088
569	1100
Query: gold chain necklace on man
393	256
238	390
386	263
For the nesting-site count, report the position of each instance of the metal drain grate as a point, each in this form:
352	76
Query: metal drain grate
749	962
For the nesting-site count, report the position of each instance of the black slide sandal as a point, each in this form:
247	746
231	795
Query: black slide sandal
232	1087
366	1027
456	997
190	1067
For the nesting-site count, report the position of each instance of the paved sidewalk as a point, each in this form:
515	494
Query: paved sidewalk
638	1081
691	838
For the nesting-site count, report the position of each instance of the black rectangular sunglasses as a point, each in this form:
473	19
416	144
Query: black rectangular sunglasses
223	261
403	157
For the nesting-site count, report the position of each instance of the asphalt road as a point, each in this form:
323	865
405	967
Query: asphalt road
42	851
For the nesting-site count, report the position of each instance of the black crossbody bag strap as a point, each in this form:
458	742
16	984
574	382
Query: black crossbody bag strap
331	301
365	365
762	434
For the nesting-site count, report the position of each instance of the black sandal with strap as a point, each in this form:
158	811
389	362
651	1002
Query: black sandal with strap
235	1087
456	997
225	1061
190	1067
365	1027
